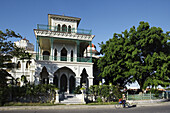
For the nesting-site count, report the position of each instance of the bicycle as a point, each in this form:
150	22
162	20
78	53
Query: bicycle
122	106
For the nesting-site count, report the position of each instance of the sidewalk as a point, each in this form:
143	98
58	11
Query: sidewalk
74	106
143	102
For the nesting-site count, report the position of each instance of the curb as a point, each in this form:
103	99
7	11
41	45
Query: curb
10	108
55	107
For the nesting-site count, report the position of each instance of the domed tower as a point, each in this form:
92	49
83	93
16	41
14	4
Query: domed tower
91	50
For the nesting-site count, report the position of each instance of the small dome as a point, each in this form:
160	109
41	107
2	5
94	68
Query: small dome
92	46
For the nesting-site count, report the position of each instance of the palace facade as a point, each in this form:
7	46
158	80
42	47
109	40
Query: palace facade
63	55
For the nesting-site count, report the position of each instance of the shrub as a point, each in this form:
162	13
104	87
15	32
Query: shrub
99	99
77	90
107	92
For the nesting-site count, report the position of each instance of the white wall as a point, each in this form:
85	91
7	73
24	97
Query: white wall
68	46
67	23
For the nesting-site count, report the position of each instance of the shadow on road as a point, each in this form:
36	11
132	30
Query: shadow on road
131	106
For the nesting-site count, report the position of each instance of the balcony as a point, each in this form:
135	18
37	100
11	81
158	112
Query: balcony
64	59
64	29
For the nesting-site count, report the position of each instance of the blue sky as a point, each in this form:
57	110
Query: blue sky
104	17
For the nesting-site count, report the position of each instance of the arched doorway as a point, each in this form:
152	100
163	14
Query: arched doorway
55	54
63	83
46	55
84	80
71	55
64	28
64	54
55	81
71	84
58	28
69	29
66	79
44	76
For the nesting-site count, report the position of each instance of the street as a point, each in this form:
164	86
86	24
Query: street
149	109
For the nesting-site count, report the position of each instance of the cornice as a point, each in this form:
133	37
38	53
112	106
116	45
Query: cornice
75	36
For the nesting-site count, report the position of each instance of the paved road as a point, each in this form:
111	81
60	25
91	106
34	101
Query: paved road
142	109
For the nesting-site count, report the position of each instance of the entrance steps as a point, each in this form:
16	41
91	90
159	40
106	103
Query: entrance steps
71	99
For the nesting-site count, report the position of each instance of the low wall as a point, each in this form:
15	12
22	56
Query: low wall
146	101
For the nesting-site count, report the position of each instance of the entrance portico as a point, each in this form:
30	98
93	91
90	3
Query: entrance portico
66	80
63	76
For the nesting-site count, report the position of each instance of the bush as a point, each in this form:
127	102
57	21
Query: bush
77	90
107	92
27	93
3	96
99	99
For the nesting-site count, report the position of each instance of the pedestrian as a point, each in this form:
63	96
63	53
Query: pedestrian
124	100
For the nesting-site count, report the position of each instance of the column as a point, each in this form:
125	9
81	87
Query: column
52	55
36	50
37	54
90	81
77	81
78	50
69	56
51	80
58	55
37	80
56	100
68	82
90	51
59	81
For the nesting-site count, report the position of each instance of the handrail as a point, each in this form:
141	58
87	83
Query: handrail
60	29
61	58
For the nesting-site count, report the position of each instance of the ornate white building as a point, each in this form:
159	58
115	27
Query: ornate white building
60	56
63	56
24	67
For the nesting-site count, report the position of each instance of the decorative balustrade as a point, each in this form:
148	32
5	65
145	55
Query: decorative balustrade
67	59
63	30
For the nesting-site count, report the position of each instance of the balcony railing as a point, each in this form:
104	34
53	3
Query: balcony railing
66	59
64	29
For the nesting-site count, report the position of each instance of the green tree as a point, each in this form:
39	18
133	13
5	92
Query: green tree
8	50
141	55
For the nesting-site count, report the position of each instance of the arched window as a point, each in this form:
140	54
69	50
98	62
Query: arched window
84	78
58	28
28	64
71	55
44	76
46	55
64	54
69	29
18	65
64	28
55	54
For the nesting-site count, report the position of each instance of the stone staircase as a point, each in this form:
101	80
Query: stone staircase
71	99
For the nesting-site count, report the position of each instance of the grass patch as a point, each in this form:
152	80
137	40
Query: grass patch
30	104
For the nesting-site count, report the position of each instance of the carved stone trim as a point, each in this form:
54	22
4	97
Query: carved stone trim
63	35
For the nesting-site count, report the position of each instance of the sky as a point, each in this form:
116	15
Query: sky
103	17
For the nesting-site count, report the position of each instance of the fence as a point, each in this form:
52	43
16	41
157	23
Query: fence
141	97
164	95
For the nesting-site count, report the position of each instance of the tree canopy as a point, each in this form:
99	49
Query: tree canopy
8	50
141	54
